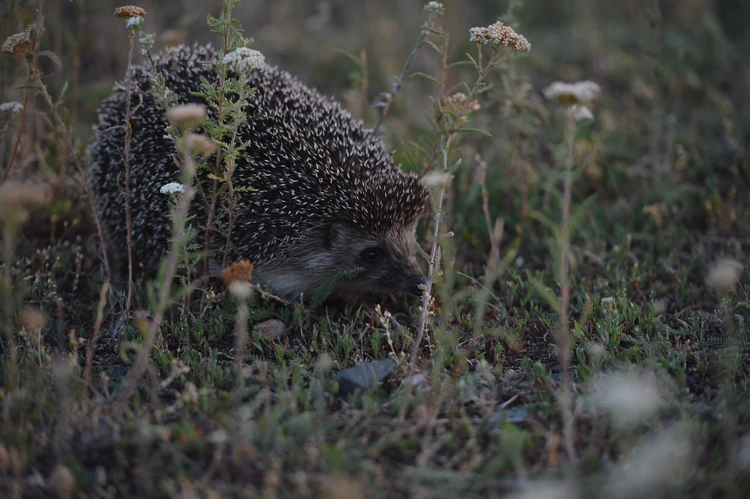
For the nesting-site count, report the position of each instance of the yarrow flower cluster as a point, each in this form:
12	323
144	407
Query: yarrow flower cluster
17	44
11	107
172	188
244	59
434	9
499	34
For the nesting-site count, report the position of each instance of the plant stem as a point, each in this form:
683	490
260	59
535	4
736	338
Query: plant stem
563	340
128	133
217	164
18	135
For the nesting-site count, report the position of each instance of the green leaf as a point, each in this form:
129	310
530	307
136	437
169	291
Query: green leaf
473	130
461	63
62	94
434	47
546	294
547	222
51	56
328	287
425	75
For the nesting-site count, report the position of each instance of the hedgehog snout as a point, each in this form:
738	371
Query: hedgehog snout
416	286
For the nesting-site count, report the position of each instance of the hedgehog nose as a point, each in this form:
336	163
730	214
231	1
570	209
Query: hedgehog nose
415	288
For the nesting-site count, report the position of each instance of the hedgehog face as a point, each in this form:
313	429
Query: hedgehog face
388	260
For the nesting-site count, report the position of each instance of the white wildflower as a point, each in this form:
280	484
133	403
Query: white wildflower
662	461
240	290
724	274
244	59
11	107
628	398
579	113
134	22
436	179
579	93
499	34
435	9
172	188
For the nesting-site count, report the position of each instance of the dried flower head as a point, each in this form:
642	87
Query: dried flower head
128	11
569	94
244	59
16	197
456	102
238	271
656	212
32	319
202	146
499	34
172	188
724	274
62	482
435	9
17	44
187	116
11	107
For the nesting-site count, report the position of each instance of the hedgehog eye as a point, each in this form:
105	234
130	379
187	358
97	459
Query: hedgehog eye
372	254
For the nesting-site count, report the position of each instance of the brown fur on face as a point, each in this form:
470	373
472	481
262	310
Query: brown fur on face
388	261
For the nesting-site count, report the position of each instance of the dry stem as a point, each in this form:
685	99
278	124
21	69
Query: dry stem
128	133
141	362
95	337
563	339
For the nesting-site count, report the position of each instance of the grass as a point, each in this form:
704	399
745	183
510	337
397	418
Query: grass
658	194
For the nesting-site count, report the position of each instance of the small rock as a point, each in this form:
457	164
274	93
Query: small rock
61	482
515	415
270	329
418	380
364	376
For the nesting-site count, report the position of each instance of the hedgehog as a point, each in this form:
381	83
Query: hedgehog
322	196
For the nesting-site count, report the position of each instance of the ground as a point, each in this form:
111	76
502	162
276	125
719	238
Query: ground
659	301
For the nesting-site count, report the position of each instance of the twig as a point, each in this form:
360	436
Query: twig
398	80
95	337
265	294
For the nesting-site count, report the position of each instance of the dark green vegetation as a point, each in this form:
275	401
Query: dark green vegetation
660	371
